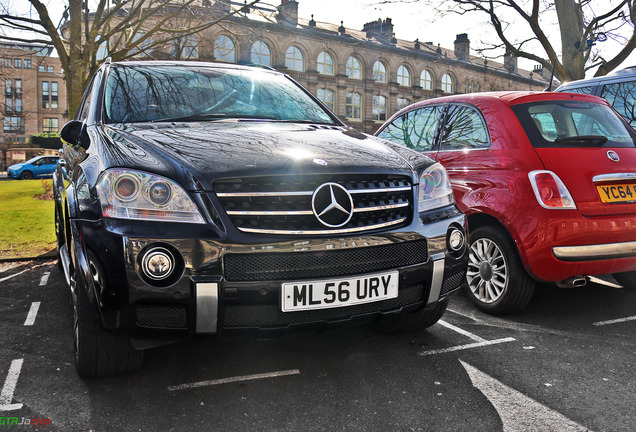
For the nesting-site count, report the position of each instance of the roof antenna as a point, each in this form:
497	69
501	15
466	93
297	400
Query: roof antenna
549	87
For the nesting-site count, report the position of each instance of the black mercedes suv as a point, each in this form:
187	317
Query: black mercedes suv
203	199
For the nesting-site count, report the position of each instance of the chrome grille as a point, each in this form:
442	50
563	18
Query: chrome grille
283	204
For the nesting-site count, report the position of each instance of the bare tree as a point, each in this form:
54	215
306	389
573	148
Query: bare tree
125	28
581	24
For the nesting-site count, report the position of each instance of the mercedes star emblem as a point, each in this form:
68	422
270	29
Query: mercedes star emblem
332	204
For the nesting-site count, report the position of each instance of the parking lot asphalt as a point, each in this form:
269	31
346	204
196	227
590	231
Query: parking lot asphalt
565	363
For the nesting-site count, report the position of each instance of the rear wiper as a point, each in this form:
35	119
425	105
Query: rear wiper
583	140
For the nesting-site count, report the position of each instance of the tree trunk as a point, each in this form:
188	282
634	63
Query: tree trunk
573	44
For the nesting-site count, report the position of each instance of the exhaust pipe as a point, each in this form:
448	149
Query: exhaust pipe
573	282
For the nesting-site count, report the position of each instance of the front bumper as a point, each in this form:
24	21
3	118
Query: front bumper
236	287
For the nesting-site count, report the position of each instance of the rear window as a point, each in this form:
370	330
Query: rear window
573	124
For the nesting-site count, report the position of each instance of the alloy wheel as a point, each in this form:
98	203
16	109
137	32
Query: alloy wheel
487	274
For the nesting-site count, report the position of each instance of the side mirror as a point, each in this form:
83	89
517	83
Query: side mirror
74	133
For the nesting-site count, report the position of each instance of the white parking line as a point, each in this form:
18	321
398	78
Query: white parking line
13	275
614	321
45	278
9	387
461	331
234	379
518	412
467	346
33	312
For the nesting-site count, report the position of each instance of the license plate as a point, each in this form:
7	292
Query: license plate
330	293
613	193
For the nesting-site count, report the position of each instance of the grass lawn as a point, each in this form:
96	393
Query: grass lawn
26	224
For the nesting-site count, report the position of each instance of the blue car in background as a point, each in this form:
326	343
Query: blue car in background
38	167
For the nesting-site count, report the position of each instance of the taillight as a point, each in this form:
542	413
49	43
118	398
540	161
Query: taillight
550	191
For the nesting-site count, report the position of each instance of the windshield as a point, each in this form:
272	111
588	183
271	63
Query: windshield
157	93
574	124
33	160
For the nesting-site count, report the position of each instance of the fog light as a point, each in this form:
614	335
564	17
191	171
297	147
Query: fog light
456	240
158	263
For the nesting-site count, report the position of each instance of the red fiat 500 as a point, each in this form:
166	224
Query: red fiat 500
548	181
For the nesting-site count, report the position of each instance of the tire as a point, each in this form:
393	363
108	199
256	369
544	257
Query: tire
412	321
26	175
496	281
627	279
98	352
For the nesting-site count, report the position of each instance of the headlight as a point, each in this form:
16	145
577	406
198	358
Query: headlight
128	194
435	189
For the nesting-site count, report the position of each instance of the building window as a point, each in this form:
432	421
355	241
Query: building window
142	47
326	97
294	59
50	125
14	125
27	63
102	51
8	88
18	105
353	106
41	68
403	76
17	86
54	96
353	68
379	108
49	68
325	63
45	95
6	62
447	83
426	80
261	54
379	72
186	48
403	103
224	49
17	63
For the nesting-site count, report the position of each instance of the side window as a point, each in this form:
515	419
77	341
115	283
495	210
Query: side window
82	112
583	90
465	129
621	97
415	129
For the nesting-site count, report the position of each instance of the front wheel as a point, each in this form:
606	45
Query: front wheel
26	175
496	281
98	352
412	321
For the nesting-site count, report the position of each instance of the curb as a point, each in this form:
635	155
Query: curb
46	256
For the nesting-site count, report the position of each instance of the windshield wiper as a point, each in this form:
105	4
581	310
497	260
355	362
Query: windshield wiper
583	140
193	117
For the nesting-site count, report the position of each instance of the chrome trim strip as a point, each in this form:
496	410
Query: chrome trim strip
438	278
263	194
307	193
207	297
396	189
268	213
595	252
614	177
308	212
334	231
379	208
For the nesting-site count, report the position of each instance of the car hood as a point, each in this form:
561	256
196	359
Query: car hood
196	154
16	166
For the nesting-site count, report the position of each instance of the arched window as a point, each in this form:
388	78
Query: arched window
447	83
467	86
294	59
402	103
325	63
403	76
185	48
326	97
353	106
102	51
224	49
379	72
476	87
261	54
426	80
353	68
144	46
379	108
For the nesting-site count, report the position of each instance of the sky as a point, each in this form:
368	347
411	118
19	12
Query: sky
411	20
